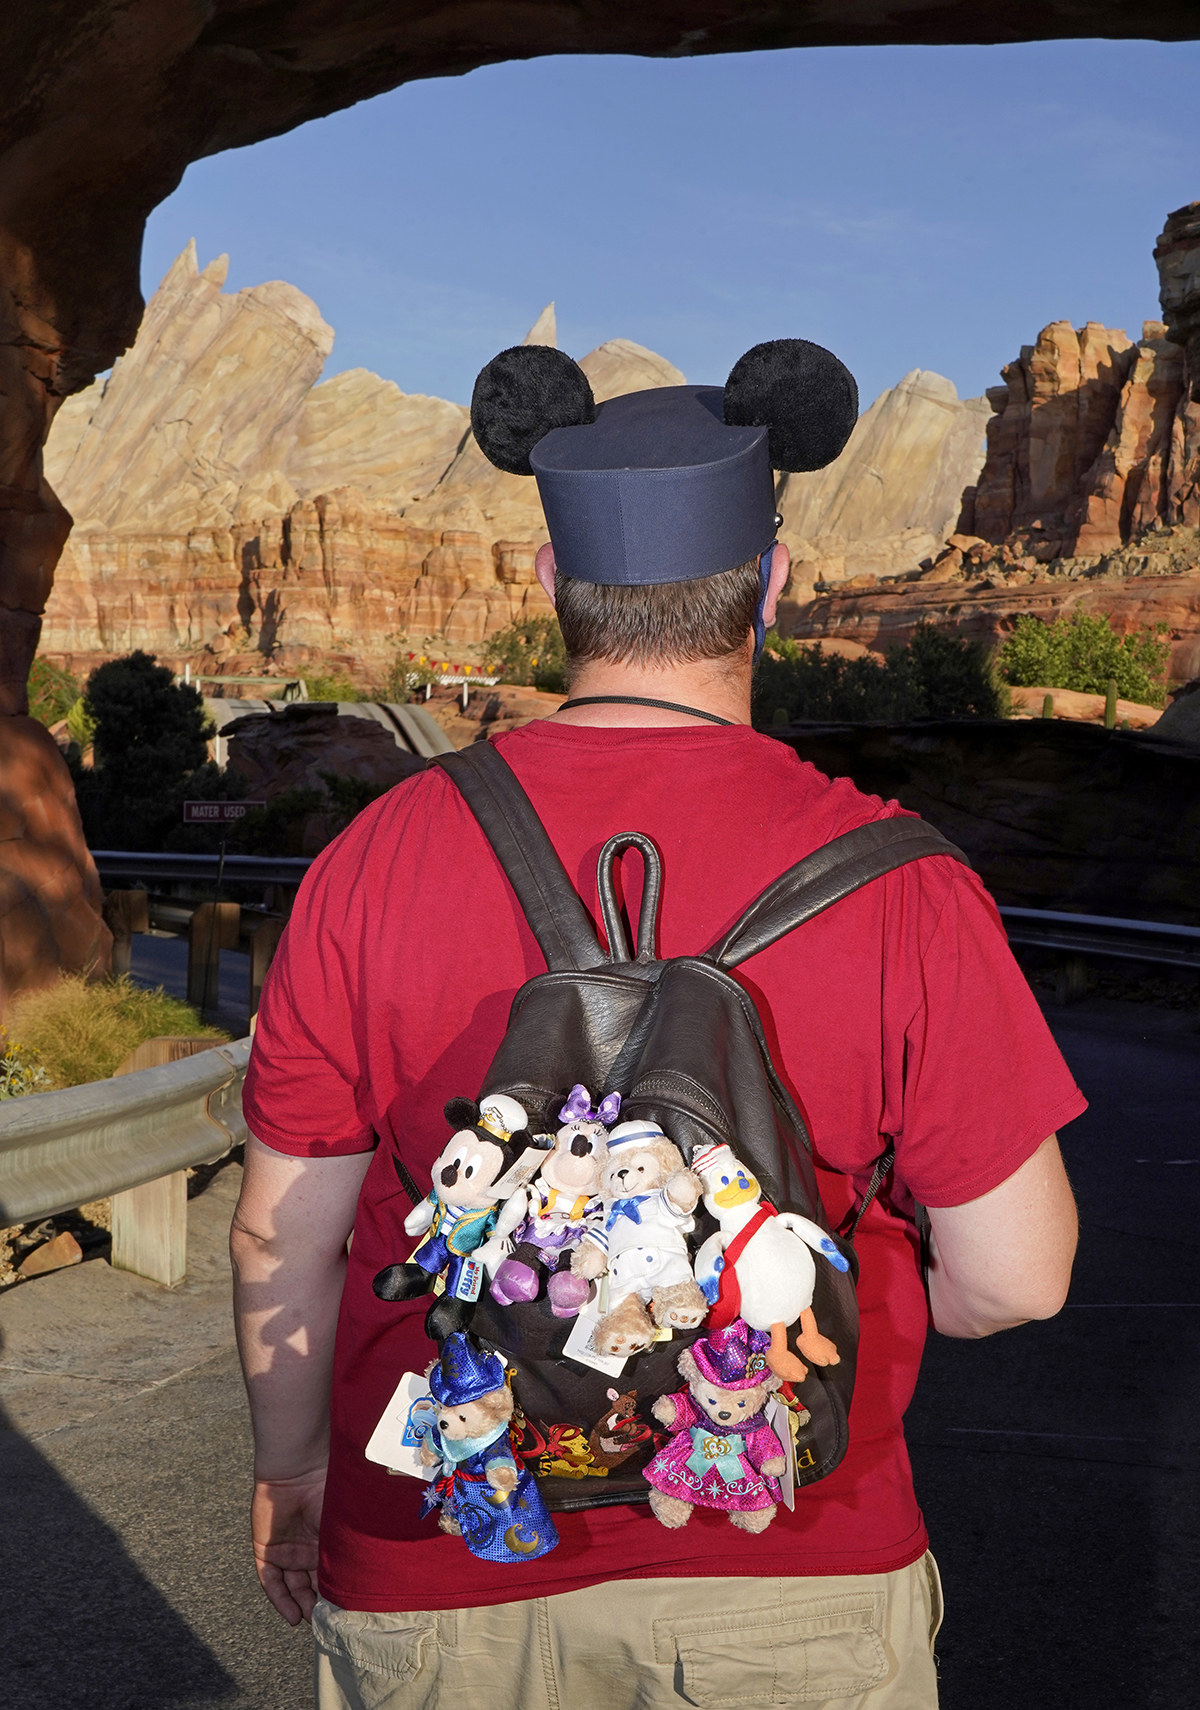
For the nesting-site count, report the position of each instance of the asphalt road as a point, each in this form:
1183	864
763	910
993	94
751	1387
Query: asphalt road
1057	1464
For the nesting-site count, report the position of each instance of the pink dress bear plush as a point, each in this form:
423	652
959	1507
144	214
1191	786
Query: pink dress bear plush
722	1453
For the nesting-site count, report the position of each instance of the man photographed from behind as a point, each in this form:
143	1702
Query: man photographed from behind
897	1015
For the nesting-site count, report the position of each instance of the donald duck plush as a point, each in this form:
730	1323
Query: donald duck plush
759	1267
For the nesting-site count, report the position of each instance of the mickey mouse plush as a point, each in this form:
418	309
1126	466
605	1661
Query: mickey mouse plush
461	1211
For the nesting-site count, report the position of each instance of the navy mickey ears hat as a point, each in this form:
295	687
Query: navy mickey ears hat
671	483
464	1372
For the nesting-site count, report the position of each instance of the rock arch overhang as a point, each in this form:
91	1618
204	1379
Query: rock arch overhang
103	105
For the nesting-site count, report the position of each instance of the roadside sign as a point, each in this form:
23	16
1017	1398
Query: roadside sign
217	813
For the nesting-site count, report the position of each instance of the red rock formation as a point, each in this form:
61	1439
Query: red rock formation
1096	439
49	892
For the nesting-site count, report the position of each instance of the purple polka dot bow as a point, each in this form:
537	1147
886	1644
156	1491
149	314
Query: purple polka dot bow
578	1107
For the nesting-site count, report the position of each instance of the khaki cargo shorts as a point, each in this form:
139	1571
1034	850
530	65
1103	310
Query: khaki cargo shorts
862	1642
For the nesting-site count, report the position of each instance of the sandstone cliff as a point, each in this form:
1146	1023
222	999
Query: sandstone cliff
894	494
226	501
1089	497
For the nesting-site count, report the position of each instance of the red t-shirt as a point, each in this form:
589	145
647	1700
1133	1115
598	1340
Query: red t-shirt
898	1013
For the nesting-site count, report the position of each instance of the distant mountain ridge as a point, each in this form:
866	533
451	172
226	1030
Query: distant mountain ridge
226	497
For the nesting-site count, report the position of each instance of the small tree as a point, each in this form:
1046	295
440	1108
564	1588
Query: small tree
933	675
531	651
149	741
1084	652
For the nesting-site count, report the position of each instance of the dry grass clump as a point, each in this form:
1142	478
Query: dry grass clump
82	1030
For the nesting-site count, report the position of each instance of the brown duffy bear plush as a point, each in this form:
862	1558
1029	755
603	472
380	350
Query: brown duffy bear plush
648	1196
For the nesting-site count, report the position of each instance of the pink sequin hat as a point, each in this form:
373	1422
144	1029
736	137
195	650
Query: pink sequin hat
733	1358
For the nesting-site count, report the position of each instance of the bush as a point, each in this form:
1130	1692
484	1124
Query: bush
1085	653
81	1030
52	692
149	743
530	652
932	676
334	686
21	1068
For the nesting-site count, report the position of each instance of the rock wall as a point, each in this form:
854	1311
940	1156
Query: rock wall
1096	438
1052	815
1089	497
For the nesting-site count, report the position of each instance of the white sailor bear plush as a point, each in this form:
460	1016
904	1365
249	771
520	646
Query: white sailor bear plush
649	1195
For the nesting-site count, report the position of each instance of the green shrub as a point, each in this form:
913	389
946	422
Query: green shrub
530	652
933	675
334	686
1084	652
52	692
81	1030
149	743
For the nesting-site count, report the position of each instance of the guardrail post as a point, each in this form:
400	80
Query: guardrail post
125	912
214	927
1072	980
149	1223
264	941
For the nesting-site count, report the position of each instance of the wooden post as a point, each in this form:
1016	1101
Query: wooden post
1071	982
125	912
214	927
263	943
149	1223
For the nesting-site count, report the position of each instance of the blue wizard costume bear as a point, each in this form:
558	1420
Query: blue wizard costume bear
480	1489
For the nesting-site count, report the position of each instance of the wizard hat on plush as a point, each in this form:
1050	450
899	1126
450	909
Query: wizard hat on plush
464	1372
732	1358
670	483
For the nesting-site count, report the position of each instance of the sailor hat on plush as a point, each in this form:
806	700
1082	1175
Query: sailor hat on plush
670	483
634	1134
464	1372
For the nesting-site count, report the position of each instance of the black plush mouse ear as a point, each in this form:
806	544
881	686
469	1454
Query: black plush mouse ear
801	393
461	1112
520	396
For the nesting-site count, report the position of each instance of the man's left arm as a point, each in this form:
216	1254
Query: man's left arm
288	1247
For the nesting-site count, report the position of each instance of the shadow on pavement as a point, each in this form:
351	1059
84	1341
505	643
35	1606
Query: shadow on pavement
80	1624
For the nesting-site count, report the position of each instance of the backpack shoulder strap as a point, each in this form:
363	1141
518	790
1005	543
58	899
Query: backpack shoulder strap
825	877
556	916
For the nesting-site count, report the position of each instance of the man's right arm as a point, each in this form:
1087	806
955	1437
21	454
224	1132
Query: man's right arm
1004	1258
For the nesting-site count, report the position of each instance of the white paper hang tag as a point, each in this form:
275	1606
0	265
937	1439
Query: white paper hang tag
520	1174
396	1440
779	1418
580	1345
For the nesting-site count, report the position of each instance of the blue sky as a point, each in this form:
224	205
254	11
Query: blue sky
908	207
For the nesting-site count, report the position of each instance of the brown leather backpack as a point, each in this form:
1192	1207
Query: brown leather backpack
683	1044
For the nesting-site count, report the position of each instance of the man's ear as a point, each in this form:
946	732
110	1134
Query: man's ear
777	579
543	569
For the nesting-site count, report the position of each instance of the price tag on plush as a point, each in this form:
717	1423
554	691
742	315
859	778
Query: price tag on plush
779	1418
396	1440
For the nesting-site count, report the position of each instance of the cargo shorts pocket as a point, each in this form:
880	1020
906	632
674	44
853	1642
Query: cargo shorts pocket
789	1653
368	1661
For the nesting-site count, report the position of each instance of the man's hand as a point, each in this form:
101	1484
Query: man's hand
285	1517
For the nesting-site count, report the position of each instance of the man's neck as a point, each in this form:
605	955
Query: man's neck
720	686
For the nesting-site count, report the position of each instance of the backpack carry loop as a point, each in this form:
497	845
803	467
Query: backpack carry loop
614	925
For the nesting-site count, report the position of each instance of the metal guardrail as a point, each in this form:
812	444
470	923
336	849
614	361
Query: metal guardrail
62	1149
150	864
1160	942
